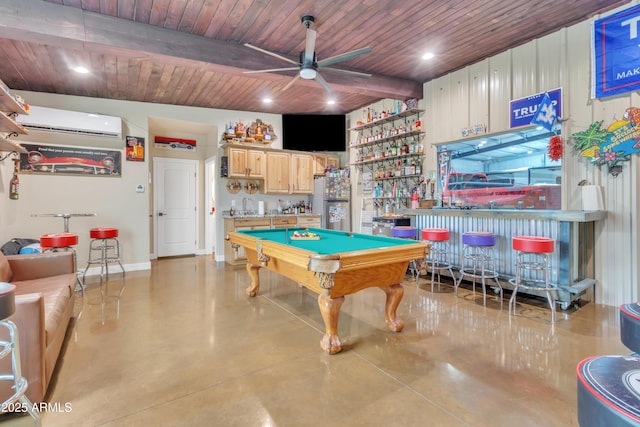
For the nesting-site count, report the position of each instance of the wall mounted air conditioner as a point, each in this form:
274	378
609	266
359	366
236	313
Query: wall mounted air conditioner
53	120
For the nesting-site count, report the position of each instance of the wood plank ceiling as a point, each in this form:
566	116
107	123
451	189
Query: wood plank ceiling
191	52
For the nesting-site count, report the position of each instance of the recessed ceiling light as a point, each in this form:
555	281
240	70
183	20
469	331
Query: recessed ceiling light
428	55
331	102
81	70
266	100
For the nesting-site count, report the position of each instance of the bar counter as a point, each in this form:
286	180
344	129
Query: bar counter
571	264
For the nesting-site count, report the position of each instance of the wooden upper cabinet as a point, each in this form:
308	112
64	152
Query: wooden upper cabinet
245	163
333	161
320	163
256	163
302	169
278	178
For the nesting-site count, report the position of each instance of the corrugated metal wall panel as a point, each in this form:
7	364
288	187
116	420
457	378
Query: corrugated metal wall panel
479	94
459	114
499	91
523	70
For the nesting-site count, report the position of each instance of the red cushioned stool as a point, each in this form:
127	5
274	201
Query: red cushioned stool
438	257
62	242
104	249
477	260
532	259
407	232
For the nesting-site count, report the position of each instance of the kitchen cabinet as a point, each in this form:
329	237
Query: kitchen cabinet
246	163
284	222
322	161
302	168
234	254
310	221
289	173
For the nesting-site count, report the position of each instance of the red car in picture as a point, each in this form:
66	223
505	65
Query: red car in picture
39	163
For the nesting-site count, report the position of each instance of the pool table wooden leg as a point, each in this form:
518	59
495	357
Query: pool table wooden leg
394	296
252	269
330	310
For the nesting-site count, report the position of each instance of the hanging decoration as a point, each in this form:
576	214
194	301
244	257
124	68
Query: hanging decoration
612	145
555	148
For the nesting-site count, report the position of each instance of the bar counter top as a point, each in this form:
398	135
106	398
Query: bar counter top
554	215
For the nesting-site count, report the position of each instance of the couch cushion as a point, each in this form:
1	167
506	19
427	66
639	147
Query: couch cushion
5	269
56	291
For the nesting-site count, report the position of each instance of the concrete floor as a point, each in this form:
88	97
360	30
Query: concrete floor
182	345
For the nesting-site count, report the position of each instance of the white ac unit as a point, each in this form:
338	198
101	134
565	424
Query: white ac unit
54	120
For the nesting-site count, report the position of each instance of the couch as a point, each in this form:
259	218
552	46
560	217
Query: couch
45	285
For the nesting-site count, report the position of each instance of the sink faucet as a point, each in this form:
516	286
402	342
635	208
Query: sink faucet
244	204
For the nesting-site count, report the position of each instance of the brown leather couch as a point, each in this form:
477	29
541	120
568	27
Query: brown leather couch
45	286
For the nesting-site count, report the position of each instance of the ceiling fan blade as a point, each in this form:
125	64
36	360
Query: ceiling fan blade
344	56
346	72
271	70
323	83
271	53
310	46
292	81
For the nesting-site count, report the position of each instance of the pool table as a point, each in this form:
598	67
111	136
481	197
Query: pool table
338	263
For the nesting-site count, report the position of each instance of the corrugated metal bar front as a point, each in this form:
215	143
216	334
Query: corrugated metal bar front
565	265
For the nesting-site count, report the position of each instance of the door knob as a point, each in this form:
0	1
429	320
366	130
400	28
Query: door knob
162	213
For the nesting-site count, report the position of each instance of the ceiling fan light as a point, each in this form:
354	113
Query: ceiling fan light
308	73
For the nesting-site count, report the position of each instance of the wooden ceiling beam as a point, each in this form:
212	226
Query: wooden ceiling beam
72	28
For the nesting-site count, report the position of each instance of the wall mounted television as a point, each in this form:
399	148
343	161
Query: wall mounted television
314	132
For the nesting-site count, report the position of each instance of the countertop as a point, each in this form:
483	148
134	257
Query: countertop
225	214
556	215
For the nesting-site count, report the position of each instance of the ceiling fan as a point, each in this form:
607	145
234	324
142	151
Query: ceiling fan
308	64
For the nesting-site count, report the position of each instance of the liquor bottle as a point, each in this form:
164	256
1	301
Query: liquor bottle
14	185
267	135
368	115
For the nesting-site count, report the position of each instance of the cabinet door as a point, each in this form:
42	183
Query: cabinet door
256	164
320	163
278	177
237	162
302	168
333	161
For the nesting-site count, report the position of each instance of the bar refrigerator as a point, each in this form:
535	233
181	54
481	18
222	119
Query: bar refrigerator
331	198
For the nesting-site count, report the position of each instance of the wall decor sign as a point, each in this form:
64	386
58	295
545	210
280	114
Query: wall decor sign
169	143
134	148
523	110
612	145
60	159
615	62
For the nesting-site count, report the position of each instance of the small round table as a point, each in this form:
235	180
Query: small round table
65	216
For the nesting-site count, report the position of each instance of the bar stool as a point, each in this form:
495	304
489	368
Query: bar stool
7	308
438	257
532	259
607	391
407	232
104	249
478	261
630	326
62	242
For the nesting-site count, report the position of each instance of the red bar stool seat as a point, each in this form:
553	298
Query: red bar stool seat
62	242
532	269
478	261
104	249
438	257
407	232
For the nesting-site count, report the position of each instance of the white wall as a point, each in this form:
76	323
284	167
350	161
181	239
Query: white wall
115	200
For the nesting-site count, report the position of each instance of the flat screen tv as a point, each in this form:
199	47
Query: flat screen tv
314	132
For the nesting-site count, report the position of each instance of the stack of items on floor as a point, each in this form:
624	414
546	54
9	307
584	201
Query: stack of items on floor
609	386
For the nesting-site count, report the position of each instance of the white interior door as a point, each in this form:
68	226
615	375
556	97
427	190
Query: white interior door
175	206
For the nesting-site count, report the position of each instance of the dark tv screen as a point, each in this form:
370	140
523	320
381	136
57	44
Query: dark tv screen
314	132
